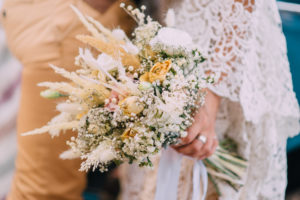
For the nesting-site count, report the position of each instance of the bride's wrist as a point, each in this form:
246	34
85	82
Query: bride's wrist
211	105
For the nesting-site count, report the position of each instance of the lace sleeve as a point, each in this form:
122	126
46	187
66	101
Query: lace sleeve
223	33
245	50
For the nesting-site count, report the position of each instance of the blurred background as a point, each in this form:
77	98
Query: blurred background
10	71
9	98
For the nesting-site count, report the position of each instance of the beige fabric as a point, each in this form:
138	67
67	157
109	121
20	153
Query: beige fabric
140	183
40	32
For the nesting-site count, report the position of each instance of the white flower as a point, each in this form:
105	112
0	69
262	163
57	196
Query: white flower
129	7
151	149
171	40
130	68
143	7
107	62
122	5
119	34
183	134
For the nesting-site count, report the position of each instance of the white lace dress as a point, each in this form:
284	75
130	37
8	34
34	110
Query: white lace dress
246	48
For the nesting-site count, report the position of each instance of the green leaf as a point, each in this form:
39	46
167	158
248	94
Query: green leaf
215	184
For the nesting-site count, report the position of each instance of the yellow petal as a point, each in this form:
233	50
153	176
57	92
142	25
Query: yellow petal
159	71
128	133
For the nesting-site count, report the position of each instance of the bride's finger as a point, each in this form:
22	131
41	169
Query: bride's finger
191	149
206	149
216	143
192	134
213	148
188	139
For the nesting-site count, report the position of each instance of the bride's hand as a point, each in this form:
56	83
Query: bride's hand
204	125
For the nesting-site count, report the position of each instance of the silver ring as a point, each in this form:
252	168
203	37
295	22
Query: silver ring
202	138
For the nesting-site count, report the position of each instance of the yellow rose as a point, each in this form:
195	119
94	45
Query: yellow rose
131	105
158	71
128	133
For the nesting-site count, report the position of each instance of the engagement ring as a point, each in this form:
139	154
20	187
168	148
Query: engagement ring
202	138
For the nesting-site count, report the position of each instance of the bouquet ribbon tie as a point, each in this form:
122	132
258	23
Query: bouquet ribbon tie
168	176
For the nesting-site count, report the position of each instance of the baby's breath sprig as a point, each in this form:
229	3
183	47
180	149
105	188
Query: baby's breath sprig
137	14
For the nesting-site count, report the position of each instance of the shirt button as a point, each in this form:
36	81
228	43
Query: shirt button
4	13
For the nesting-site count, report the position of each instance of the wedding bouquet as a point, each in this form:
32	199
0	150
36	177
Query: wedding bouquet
132	97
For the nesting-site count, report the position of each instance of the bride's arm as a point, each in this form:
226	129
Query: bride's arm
228	35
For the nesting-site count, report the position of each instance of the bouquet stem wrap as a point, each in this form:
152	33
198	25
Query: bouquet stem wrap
168	176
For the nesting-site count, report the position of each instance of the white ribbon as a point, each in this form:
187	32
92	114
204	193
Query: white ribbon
168	176
199	174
